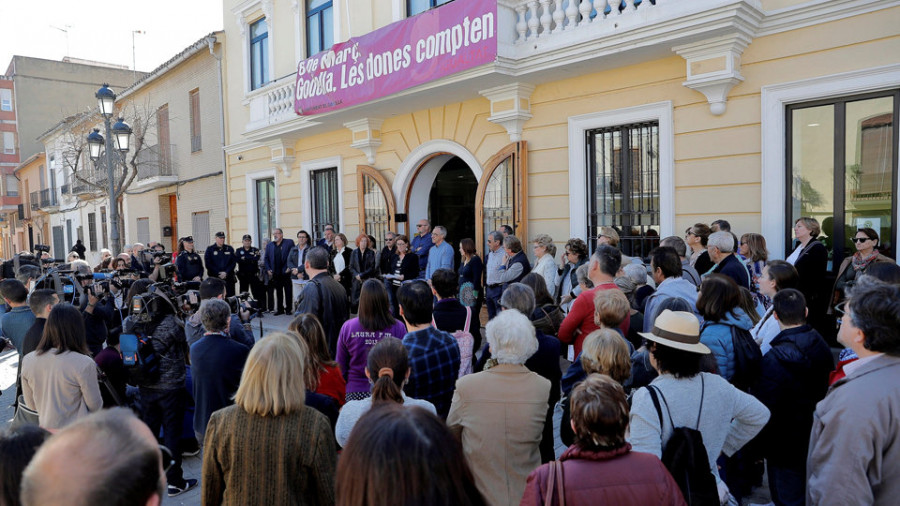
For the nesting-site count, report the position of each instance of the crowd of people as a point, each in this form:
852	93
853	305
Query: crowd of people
682	377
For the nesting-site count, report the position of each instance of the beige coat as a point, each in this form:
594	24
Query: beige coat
499	414
60	387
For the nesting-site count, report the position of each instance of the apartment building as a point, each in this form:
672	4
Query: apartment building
560	118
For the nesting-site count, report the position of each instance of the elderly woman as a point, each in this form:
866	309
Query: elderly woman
600	467
545	262
726	417
292	444
499	413
567	282
866	242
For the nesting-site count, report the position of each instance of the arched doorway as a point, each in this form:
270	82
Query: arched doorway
451	200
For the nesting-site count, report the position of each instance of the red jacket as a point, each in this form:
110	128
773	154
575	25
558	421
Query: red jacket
581	317
619	477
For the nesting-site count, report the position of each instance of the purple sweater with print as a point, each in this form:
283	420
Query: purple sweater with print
354	343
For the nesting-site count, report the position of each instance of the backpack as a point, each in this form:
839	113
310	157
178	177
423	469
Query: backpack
466	343
141	360
747	359
685	456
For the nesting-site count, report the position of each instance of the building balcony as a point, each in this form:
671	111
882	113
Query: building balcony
540	41
44	200
89	184
156	167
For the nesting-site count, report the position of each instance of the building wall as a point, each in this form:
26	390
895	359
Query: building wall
717	159
200	173
48	90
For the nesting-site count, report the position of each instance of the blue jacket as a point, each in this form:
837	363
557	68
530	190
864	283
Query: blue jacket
717	336
734	269
793	379
421	246
220	260
286	246
670	287
216	366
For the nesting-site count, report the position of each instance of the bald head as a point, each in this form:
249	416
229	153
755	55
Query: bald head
109	457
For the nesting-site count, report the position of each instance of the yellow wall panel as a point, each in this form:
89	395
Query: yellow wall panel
743	110
723	199
738	169
715	143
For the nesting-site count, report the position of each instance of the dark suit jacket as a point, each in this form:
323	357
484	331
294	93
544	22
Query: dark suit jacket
286	247
811	266
449	315
734	269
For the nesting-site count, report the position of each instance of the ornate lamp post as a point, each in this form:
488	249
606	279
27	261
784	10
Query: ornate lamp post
118	138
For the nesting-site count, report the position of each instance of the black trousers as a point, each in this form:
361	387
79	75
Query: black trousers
165	408
256	288
280	293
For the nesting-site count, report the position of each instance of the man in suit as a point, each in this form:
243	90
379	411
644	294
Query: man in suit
276	260
327	242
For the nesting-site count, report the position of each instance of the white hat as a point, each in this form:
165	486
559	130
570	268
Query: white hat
679	330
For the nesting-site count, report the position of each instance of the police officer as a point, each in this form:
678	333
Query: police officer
189	263
220	262
248	269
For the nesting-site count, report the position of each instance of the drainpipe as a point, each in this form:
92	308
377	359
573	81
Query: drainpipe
210	42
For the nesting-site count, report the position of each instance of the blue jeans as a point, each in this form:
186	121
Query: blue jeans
787	486
492	299
165	408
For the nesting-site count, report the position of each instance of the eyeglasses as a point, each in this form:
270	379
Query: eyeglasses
860	239
167	459
388	238
419	225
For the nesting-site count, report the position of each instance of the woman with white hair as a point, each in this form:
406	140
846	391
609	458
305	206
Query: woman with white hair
499	413
545	263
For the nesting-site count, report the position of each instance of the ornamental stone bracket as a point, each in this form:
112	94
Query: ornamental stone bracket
510	107
366	136
282	156
714	67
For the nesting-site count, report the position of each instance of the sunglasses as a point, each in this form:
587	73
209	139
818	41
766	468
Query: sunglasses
167	459
860	239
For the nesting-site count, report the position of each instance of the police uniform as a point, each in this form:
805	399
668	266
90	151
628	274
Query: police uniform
221	259
248	270
189	265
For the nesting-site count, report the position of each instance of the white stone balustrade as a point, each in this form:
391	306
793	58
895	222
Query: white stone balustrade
273	104
542	18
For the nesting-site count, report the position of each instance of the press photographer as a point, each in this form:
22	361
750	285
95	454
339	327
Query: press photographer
96	305
239	327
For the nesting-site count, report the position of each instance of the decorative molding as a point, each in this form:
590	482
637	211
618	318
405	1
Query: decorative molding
306	193
370	140
250	179
817	12
406	172
715	84
282	155
268	8
578	125
773	99
513	118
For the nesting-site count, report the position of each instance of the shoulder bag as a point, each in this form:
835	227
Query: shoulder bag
555	481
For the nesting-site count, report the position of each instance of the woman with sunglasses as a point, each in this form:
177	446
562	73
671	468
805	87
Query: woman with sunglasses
866	242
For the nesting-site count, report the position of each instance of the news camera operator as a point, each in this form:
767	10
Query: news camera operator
96	305
163	401
239	327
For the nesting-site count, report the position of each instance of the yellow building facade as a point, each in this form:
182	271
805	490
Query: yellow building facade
648	117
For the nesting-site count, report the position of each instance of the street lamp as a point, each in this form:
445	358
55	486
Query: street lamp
120	133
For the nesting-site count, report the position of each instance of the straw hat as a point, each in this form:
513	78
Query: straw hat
679	330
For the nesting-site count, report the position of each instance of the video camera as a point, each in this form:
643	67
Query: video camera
243	301
42	248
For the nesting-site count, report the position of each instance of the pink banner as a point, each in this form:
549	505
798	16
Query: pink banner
437	43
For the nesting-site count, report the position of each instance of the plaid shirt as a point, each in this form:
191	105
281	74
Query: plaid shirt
434	362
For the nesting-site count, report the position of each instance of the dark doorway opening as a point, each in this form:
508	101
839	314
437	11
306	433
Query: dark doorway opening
451	202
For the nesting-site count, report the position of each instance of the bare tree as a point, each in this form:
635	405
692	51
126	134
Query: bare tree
94	175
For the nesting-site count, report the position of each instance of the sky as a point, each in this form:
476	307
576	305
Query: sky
102	31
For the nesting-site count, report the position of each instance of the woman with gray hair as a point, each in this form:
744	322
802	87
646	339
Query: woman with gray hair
499	414
545	263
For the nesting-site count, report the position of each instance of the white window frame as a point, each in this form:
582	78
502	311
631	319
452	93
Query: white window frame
305	193
774	99
660	112
5	102
244	14
250	178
